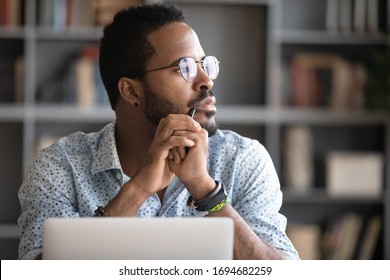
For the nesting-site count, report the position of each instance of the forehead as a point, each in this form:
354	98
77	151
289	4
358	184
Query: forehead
175	40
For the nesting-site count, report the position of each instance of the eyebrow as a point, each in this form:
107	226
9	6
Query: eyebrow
177	61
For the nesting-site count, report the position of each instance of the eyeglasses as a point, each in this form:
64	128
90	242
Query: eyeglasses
189	69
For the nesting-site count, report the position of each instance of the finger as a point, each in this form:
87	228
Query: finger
170	156
177	123
182	152
176	155
189	140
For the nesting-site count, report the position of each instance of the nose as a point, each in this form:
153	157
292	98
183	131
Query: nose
202	80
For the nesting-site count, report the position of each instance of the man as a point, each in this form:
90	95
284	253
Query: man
155	159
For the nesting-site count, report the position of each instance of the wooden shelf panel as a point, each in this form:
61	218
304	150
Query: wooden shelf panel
320	196
9	231
240	114
319	37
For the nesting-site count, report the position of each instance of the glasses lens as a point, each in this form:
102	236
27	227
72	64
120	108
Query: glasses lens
211	66
188	68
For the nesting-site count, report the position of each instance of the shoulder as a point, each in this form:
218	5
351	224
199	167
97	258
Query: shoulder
77	144
234	142
229	151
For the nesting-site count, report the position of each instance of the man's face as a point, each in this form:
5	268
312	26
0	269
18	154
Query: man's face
166	91
157	107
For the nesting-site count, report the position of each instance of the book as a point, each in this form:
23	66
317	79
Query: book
284	86
354	174
78	82
19	75
59	15
101	94
85	84
46	8
302	84
327	80
370	238
350	230
332	16
313	79
88	13
106	9
74	13
306	240
372	17
12	12
88	89
342	77
349	85
345	16
358	82
360	16
331	237
340	240
298	158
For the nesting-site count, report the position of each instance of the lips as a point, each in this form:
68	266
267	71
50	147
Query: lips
207	104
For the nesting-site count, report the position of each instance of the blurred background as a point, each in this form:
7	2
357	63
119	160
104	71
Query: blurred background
310	79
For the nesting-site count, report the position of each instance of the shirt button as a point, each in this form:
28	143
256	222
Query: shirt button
118	176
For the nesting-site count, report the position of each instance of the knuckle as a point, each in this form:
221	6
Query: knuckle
204	132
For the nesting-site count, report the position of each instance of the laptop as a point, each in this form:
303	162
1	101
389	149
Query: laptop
118	238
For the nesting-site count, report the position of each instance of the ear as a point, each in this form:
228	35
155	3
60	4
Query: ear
130	90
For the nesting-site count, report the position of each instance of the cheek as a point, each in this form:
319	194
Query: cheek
162	84
174	90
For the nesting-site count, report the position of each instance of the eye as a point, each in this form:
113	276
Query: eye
177	69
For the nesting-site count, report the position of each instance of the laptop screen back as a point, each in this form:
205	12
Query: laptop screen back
117	238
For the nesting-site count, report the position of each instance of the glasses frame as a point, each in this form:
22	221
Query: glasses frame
177	64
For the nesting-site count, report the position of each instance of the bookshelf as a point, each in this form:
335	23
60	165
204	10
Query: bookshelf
261	35
358	128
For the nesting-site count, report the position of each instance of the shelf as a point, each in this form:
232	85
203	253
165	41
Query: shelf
264	115
54	114
218	2
76	34
239	114
11	113
320	196
318	37
73	114
258	32
12	32
9	231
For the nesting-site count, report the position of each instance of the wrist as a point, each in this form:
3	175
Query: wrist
127	201
212	203
202	188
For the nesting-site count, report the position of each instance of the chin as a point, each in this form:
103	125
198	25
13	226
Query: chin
211	127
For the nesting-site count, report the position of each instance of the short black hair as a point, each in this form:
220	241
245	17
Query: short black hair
124	48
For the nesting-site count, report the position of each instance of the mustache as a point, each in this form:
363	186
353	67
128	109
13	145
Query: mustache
203	94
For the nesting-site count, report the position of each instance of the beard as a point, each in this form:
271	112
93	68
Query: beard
158	107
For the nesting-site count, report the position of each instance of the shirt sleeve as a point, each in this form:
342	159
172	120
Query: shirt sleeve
46	192
258	198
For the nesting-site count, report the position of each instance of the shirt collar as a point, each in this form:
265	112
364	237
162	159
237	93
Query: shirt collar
105	154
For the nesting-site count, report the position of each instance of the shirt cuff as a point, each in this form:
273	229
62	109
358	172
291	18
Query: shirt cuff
31	255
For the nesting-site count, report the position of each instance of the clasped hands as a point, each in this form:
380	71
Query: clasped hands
167	157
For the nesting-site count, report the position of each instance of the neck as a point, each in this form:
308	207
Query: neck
133	139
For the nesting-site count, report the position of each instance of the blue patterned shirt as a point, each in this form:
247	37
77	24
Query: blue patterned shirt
82	171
